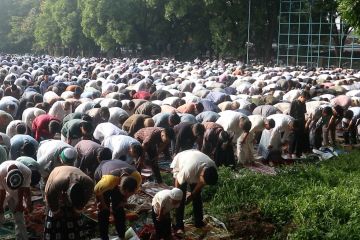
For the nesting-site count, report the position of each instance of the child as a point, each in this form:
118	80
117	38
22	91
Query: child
350	124
245	145
162	203
318	126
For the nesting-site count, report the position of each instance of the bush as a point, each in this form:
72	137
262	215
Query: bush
319	201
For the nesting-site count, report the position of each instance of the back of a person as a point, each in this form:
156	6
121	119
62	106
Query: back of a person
191	161
62	174
183	126
85	146
356	111
72	126
144	133
109	167
119	145
161	120
133	118
75	115
48	149
25	171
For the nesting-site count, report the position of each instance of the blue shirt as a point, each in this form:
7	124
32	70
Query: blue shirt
210	106
17	143
207	116
161	120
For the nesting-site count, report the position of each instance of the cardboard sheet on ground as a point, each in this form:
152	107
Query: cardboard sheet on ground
165	166
139	204
325	153
34	221
214	229
151	188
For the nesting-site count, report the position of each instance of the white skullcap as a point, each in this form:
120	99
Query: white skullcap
68	156
176	194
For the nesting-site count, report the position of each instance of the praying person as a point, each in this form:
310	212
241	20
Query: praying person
15	180
45	127
194	168
67	192
297	138
350	124
116	181
154	141
162	204
245	146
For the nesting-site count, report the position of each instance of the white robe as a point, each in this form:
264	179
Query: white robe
30	114
106	129
229	120
57	110
245	151
269	137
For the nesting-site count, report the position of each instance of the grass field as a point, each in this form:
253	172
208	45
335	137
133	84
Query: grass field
303	201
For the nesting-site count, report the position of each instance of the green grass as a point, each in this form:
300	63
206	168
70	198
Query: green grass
318	201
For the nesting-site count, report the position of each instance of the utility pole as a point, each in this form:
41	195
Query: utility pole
248	34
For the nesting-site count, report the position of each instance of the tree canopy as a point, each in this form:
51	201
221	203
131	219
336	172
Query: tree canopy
176	28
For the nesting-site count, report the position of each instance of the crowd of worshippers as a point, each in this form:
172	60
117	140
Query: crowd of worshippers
83	127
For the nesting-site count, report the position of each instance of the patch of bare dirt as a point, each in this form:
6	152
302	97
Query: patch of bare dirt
250	225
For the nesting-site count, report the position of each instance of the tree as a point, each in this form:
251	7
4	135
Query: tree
132	24
265	27
328	10
58	29
22	31
95	19
350	11
67	17
190	30
47	32
5	27
223	25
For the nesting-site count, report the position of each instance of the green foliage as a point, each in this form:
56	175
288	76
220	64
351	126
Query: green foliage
177	28
4	24
22	30
58	28
320	200
94	24
350	11
135	24
66	16
17	19
47	32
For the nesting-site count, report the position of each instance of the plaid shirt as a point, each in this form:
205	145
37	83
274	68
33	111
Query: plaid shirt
149	136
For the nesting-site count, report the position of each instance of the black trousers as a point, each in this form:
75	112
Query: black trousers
197	208
114	197
350	136
297	140
163	227
224	156
316	136
152	162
